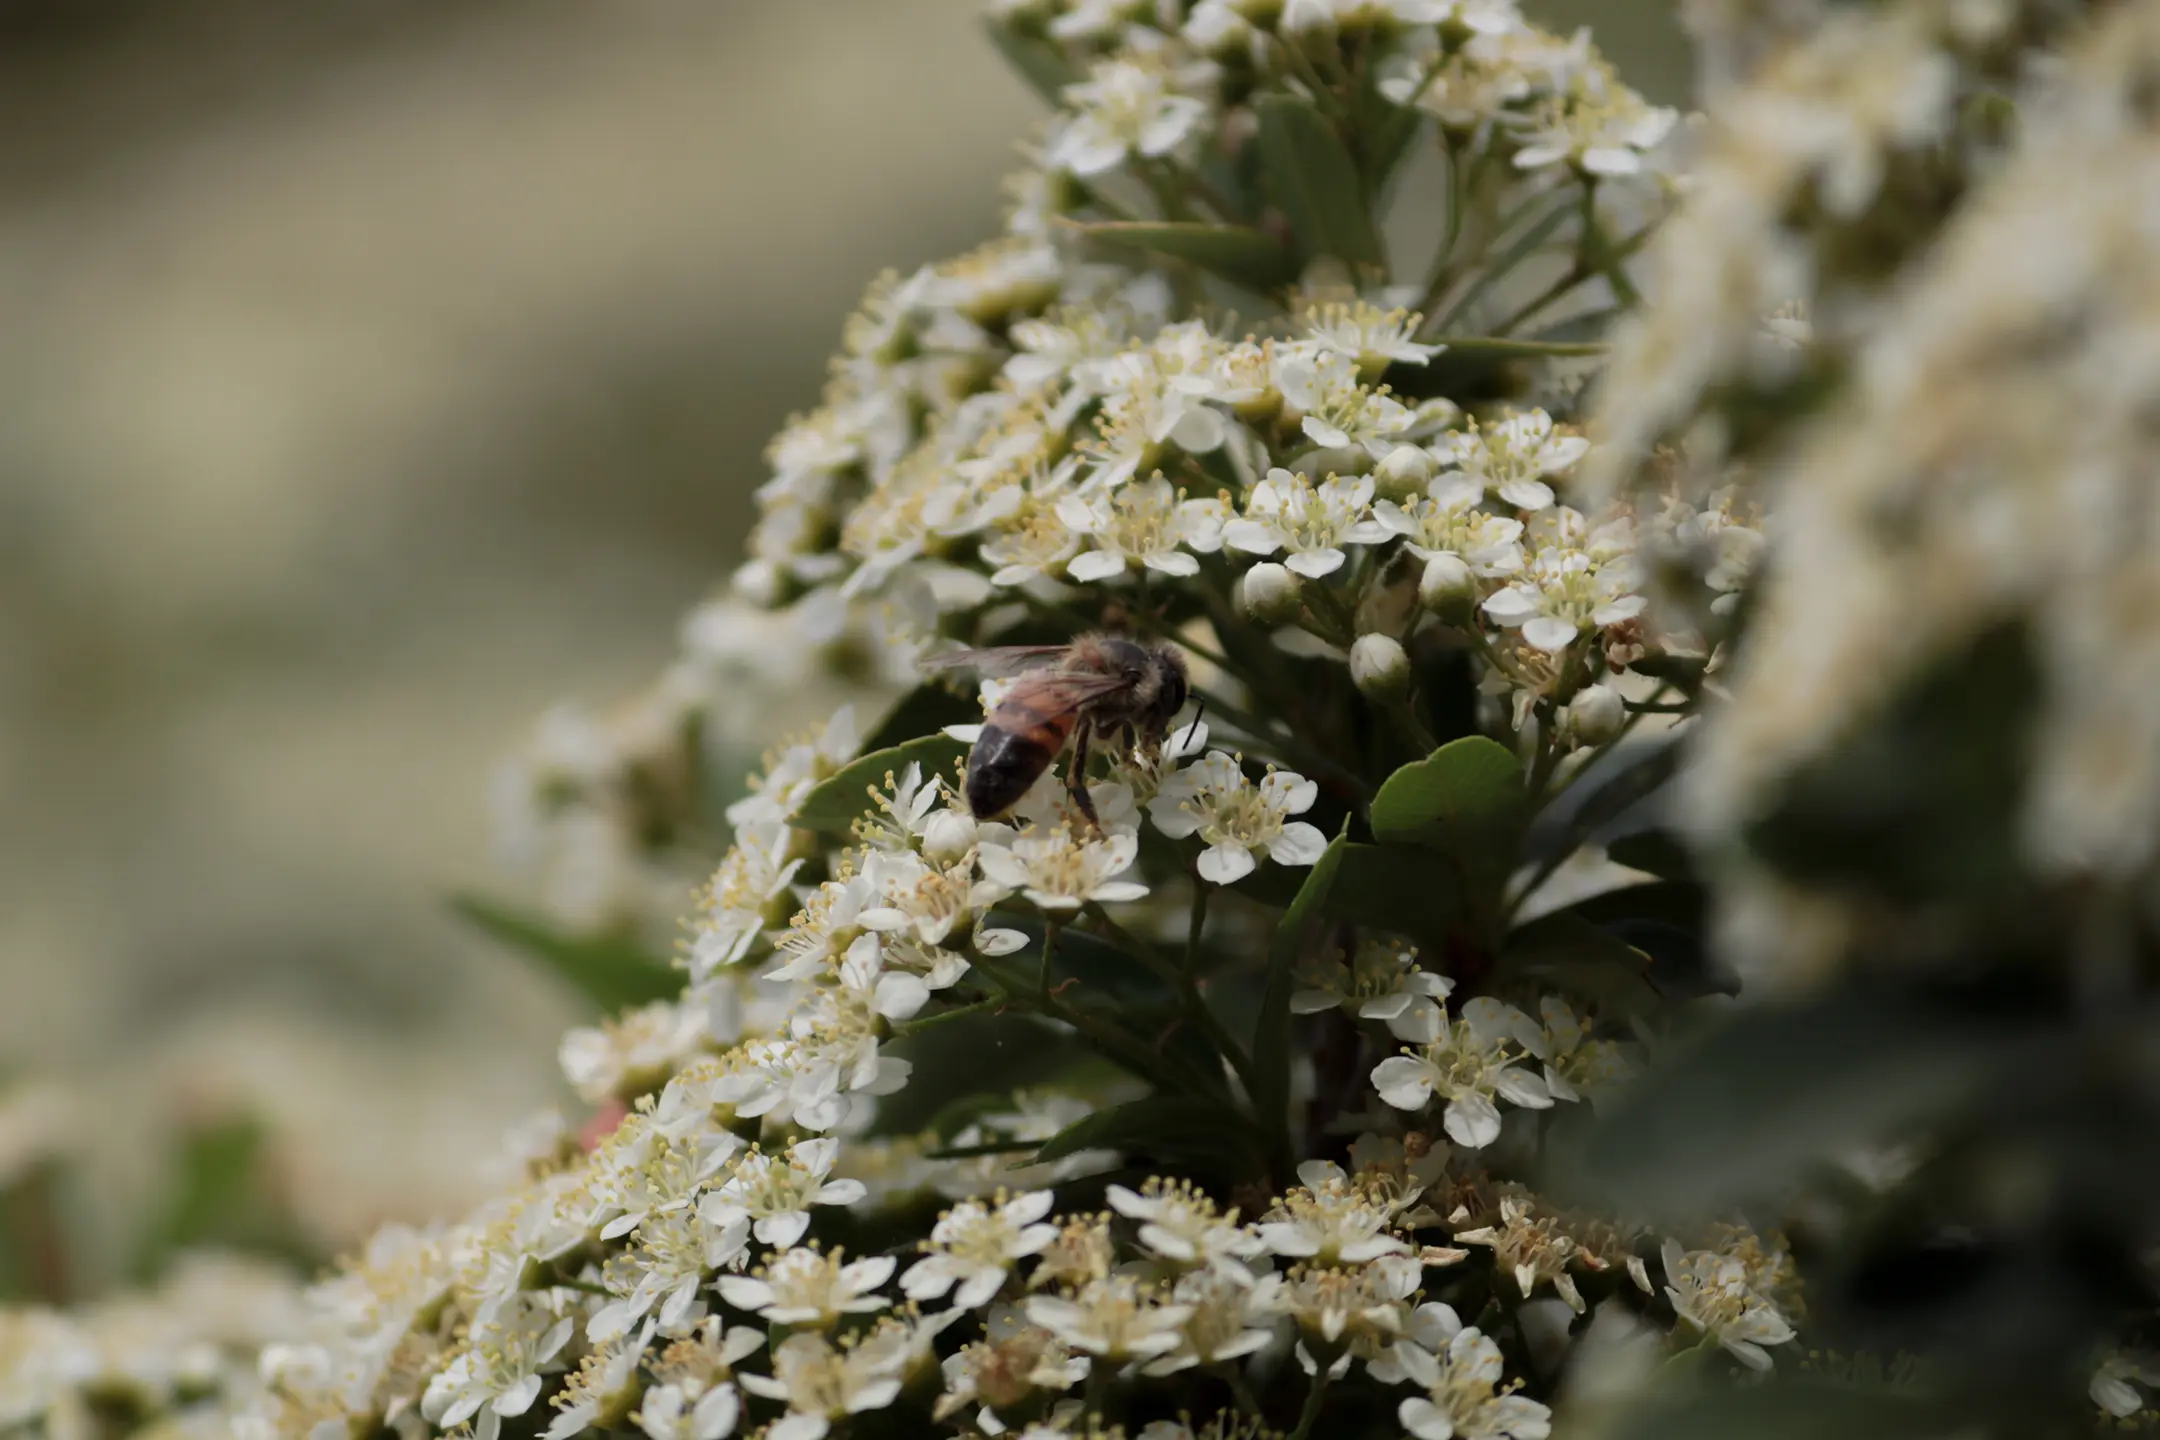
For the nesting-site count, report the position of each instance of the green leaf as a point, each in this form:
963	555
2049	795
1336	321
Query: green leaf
1744	1113
1315	181
1240	255
1465	799
1566	953
922	712
1394	887
840	799
1614	784
1183	1131
1385	130
1039	62
217	1183
612	974
1526	242
1271	1035
1656	852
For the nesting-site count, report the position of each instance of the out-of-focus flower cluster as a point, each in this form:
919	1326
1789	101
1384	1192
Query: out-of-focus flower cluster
1261	1017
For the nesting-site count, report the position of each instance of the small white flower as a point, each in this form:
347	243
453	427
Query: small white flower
1514	459
604	1387
1115	1317
2110	1386
632	1052
804	1286
821	1384
796	771
1286	512
1601	126
668	1412
1571	583
1447	520
1061	871
1474	1061
1331	1219
1213	798
1464	1398
1374	339
775	1192
740	902
1381	981
1180	1224
974	1246
1147	524
1123	108
1710	1292
1321	387
499	1370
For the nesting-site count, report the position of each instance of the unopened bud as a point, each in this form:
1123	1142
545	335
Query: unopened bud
1595	715
1268	595
1380	668
758	581
1448	589
1405	473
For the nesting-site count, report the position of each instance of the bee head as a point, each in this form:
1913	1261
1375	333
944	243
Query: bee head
1166	674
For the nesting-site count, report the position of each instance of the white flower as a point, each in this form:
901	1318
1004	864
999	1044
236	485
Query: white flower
739	903
1431	1326
499	1370
604	1387
1115	1317
974	1247
1286	512
1568	586
1061	871
1142	524
1464	1399
1381	981
1231	1318
1123	108
632	1052
674	1254
1212	798
1373	338
667	1412
775	1192
1181	1224
644	1172
1473	1061
796	770
807	1287
1604	128
1321	387
1447	520
2110	1386
821	1383
1710	1291
1513	459
1331	1219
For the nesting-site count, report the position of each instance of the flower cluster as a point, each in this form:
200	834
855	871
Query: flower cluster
1212	1069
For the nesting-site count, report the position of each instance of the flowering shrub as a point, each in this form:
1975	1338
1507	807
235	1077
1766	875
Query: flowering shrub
1294	1079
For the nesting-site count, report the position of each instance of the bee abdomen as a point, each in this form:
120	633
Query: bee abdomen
1000	769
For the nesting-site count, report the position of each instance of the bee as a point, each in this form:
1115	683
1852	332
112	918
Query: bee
1095	688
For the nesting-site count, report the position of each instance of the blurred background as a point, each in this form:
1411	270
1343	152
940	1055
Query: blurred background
377	372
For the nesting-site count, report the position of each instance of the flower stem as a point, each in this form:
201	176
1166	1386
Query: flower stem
1311	1412
909	1027
1197	924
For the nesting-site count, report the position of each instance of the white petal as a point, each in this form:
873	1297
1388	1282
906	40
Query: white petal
1403	1082
1313	564
1252	537
1549	634
1172	562
1298	844
1226	863
1472	1120
1096	565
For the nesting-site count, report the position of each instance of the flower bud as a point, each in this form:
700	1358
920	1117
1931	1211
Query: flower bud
1405	473
1448	589
1380	668
1268	595
1594	716
759	582
947	836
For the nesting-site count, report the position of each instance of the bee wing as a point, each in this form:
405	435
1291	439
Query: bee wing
1052	696
998	661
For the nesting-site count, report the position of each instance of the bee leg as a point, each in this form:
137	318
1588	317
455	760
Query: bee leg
1076	777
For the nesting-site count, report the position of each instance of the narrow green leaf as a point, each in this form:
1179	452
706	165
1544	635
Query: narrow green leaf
1466	798
1314	179
219	1164
612	974
841	798
1602	796
1271	1035
1566	953
1240	255
922	712
1185	1131
1743	1113
1039	62
1496	269
1388	130
1655	852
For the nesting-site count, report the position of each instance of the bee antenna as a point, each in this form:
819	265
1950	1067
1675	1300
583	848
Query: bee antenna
1198	715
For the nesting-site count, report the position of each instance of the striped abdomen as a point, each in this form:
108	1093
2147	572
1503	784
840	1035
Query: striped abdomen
1017	744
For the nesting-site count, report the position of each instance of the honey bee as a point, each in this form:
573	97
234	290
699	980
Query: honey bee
1097	687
